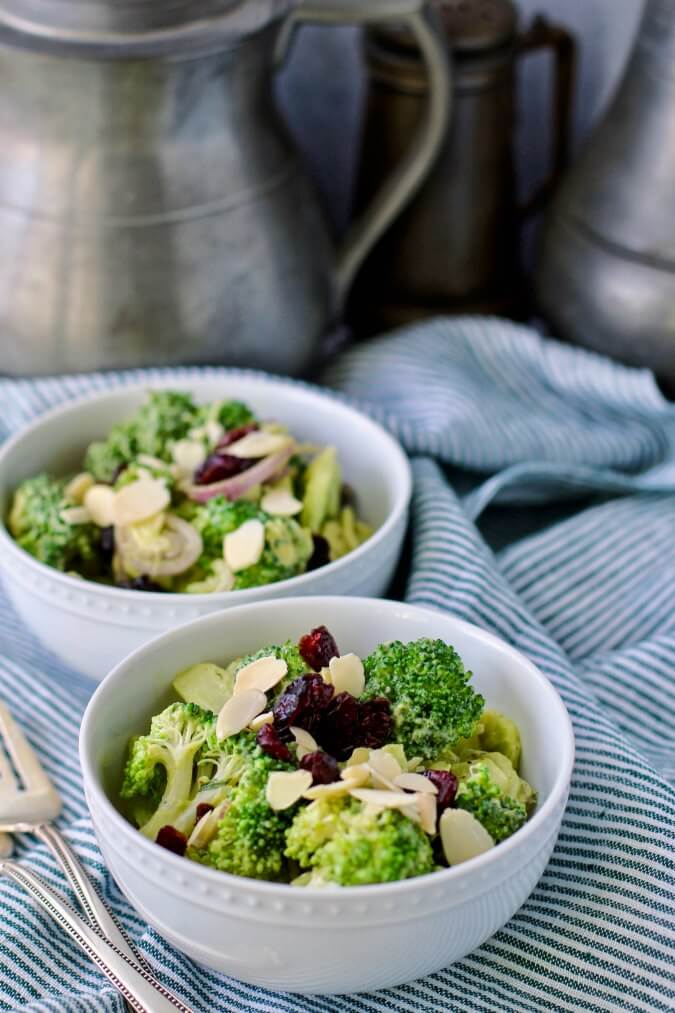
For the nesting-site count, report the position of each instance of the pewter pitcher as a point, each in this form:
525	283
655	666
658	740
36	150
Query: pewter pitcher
152	207
606	273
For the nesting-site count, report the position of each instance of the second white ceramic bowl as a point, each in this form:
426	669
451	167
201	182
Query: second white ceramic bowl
341	939
93	626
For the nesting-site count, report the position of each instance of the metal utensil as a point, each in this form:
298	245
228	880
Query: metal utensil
27	800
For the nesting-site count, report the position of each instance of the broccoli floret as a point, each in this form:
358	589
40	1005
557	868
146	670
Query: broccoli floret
167	416
288	652
428	687
173	742
37	522
287	549
348	843
219	517
230	414
251	836
500	814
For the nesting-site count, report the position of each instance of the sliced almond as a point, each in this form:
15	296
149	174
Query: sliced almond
384	764
78	486
359	755
280	503
357	776
383	799
244	547
214	432
304	739
284	788
148	461
267	718
462	836
188	455
75	515
140	500
334	790
262	674
416	763
427	809
326	676
100	502
347	674
416	782
259	444
239	711
205	828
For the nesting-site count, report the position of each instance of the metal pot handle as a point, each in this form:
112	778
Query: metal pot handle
410	173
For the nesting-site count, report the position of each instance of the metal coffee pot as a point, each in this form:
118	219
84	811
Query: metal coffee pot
152	207
606	275
454	249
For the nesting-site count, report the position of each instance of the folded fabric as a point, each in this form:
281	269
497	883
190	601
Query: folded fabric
590	599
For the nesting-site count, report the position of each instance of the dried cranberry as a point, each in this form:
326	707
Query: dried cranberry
446	783
321	553
202	809
218	467
318	647
232	435
172	840
301	704
377	722
270	743
322	767
339	730
107	542
139	584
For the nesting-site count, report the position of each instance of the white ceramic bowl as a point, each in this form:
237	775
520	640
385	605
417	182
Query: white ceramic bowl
335	940
92	626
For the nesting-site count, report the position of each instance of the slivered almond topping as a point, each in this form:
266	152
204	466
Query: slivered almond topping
357	775
284	788
140	500
304	739
259	444
239	711
416	782
152	462
326	676
334	790
383	799
205	828
384	764
262	674
263	719
280	503
462	836
188	455
426	807
244	547
213	432
78	486
347	675
359	755
416	763
76	515
99	501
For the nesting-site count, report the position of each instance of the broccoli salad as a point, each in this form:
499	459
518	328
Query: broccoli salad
191	498
301	765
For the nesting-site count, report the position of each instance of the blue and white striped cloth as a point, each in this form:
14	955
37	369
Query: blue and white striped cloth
567	462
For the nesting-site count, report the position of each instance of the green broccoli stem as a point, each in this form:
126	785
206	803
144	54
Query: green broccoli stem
178	763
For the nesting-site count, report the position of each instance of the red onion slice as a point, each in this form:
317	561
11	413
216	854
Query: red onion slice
185	549
238	485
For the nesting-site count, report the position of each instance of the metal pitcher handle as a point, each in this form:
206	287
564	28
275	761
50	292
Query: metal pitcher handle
412	170
543	34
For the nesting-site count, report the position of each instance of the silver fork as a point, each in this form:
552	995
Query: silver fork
27	808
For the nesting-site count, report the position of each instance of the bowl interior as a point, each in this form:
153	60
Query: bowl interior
139	687
372	462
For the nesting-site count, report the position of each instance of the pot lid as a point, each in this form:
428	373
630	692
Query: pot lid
136	23
471	26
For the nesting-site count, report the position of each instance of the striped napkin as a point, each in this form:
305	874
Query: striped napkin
544	510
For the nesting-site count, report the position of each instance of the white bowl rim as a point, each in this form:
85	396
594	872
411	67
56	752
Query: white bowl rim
403	491
272	890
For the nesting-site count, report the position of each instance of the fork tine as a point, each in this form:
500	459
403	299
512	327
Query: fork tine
37	800
23	757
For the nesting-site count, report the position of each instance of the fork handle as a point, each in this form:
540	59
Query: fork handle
143	992
94	909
